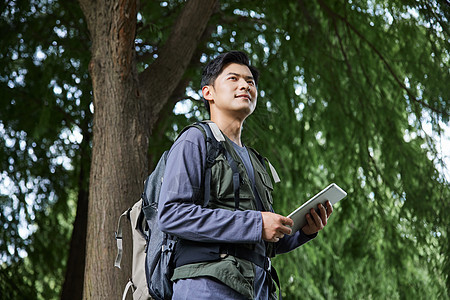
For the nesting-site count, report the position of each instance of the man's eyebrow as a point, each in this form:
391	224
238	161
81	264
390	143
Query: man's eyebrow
240	75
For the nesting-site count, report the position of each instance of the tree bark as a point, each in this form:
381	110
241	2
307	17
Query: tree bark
118	151
123	116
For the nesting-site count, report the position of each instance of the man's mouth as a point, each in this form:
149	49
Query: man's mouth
244	96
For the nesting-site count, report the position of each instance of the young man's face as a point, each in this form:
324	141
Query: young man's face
234	92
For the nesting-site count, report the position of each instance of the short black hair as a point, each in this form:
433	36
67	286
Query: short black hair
213	69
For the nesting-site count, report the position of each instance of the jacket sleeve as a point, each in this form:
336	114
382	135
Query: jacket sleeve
290	242
182	185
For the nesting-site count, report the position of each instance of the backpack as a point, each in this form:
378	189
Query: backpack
153	249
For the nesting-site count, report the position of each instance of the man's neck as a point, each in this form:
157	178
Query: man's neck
231	127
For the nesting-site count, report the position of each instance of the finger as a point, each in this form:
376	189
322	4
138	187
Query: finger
284	230
323	214
329	208
310	221
287	221
317	219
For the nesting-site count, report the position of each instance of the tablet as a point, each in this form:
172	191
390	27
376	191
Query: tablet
333	193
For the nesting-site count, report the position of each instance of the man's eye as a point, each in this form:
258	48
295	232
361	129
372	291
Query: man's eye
251	82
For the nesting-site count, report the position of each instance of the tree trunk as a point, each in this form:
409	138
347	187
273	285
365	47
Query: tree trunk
74	278
118	151
123	115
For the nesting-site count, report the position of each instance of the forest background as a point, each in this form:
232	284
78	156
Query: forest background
354	92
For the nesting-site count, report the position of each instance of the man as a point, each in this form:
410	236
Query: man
221	244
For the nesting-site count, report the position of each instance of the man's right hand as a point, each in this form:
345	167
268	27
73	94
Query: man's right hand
274	226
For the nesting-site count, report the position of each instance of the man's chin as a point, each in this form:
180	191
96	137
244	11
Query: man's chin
245	111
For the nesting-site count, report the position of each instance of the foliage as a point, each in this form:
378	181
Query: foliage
345	91
45	118
336	106
358	122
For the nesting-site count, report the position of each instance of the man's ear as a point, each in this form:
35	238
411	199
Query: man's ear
207	92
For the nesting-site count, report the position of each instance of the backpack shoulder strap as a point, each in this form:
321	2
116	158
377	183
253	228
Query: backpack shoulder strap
214	146
215	131
209	129
214	139
219	137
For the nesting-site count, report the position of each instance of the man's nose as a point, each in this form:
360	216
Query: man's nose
243	84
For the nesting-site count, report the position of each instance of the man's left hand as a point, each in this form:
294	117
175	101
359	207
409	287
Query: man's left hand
316	222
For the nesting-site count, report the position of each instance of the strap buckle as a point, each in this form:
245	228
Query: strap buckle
267	264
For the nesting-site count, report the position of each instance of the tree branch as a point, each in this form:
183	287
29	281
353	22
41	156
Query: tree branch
335	15
175	55
349	67
312	22
443	26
